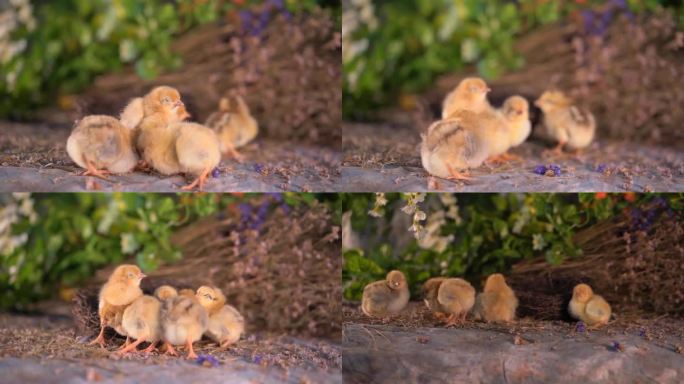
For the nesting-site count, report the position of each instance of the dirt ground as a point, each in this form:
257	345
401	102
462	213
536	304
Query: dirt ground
46	349
33	158
386	158
414	347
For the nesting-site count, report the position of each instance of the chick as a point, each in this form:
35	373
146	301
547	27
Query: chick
183	321
226	324
563	122
452	296
470	95
175	147
592	309
497	302
186	292
133	113
515	111
461	142
386	297
141	322
120	290
101	144
164	292
233	124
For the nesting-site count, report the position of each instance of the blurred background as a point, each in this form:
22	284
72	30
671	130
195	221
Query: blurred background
627	246
624	59
275	251
62	59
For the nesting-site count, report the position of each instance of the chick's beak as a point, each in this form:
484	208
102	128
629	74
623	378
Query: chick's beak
141	275
537	103
487	90
178	103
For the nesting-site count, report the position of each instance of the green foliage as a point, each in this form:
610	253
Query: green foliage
69	236
66	43
398	48
491	232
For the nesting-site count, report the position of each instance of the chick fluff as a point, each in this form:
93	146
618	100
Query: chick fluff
469	95
101	144
452	296
141	322
515	110
233	124
183	321
120	290
588	307
497	302
570	126
226	324
386	297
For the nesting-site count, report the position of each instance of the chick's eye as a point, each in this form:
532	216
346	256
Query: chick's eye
208	296
166	100
130	275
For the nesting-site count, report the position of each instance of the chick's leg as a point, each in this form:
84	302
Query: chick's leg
198	182
455	175
133	346
232	152
126	344
92	171
556	151
150	348
170	350
191	352
100	338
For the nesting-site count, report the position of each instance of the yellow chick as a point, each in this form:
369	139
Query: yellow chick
183	321
172	147
563	122
386	297
133	113
141	322
515	111
233	124
164	292
187	292
497	302
101	144
462	142
226	324
469	95
592	309
120	290
451	296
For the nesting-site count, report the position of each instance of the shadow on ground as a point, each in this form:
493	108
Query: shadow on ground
414	347
33	158
386	158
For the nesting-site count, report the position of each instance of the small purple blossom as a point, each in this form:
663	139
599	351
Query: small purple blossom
259	167
207	361
601	168
257	359
555	168
616	347
540	169
642	332
548	170
581	327
216	173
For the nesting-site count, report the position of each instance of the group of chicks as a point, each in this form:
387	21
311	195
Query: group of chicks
471	131
451	299
152	132
171	316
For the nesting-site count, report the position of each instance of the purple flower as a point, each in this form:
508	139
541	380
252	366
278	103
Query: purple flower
278	197
581	327
601	168
540	169
216	173
207	361
642	332
616	347
556	169
257	359
259	168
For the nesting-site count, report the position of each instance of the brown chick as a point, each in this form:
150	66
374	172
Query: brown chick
141	322
515	111
164	292
469	95
133	113
197	150
226	324
497	303
120	290
233	124
456	144
101	144
386	297
563	122
452	296
183	321
588	307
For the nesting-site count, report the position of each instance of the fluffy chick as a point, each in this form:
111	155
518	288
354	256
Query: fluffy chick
186	292
101	144
386	297
463	141
592	309
497	302
233	124
226	324
452	296
120	290
133	113
183	321
164	292
160	107
141	322
470	95
197	151
563	122
516	113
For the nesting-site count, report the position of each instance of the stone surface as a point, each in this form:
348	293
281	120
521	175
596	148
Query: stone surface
390	354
